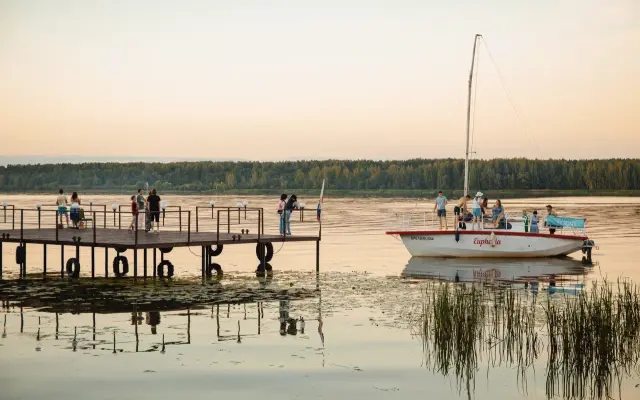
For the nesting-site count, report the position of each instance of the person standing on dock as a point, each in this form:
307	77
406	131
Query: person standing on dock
61	202
441	208
153	202
141	203
134	214
292	204
281	204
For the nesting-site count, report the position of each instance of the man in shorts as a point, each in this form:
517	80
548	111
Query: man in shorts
460	210
61	202
440	208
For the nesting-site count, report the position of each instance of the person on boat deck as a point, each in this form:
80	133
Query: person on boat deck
281	204
61	202
441	208
498	214
460	209
534	222
477	211
551	211
484	205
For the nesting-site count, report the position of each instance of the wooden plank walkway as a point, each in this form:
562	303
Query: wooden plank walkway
112	238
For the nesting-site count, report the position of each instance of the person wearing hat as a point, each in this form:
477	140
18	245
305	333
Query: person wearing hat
477	211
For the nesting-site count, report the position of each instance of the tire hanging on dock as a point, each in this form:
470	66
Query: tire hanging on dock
116	265
215	250
160	269
165	250
73	268
264	247
214	267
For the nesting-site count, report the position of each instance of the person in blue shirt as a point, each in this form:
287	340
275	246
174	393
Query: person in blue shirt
498	214
534	222
440	207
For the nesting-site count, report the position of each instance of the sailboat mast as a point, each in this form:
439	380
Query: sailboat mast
466	155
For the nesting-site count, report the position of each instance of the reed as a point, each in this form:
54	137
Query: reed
590	340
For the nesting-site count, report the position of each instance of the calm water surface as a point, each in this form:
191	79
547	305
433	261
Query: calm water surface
225	336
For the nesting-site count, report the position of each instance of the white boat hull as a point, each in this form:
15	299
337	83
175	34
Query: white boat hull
488	244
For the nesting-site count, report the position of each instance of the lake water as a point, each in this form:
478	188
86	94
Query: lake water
225	336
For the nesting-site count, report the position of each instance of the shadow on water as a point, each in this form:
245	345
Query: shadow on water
590	337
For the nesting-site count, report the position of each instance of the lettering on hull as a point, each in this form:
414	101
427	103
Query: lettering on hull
482	242
421	238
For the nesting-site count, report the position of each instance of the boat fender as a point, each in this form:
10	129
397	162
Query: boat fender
457	235
73	268
493	239
160	269
116	265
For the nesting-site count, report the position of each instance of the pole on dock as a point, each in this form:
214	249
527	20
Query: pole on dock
202	267
44	259
144	257
135	263
0	260
62	261
317	256
155	262
106	262
93	261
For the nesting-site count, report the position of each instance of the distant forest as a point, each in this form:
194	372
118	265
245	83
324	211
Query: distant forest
348	175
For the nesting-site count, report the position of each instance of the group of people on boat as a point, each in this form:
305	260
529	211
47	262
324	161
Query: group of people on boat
479	212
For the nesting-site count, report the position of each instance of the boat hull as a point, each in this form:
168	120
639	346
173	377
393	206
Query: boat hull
488	244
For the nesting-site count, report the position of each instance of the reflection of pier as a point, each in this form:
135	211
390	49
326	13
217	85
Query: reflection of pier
211	231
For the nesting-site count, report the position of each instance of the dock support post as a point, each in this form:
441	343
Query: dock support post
44	259
317	256
61	261
155	262
78	258
93	261
202	266
135	263
0	260
144	257
106	262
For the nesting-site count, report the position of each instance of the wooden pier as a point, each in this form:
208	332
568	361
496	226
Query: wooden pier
210	230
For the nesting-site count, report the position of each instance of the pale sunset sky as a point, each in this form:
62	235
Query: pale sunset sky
276	79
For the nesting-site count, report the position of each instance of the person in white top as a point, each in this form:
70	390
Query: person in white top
61	202
477	211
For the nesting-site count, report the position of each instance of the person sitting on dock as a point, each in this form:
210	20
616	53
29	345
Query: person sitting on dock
153	201
441	208
61	202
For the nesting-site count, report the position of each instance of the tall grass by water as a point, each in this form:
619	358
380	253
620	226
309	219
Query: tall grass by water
590	338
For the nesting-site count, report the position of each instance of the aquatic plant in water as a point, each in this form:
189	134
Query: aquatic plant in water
591	339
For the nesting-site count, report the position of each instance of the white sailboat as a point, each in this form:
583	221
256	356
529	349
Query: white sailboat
512	240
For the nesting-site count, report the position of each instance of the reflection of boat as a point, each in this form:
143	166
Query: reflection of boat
511	238
505	270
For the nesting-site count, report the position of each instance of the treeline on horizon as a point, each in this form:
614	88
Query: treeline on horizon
415	174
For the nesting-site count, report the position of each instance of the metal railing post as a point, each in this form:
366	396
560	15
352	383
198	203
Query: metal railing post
21	224
180	217
218	228
55	215
229	220
94	227
136	240
104	214
197	218
189	227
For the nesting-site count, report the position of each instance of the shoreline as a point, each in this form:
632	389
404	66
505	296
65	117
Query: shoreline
343	193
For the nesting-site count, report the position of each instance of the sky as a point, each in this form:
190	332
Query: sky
291	79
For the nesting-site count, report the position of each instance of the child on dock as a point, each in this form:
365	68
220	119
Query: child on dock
134	213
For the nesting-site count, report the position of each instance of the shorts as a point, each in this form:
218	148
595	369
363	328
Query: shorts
154	216
456	210
442	213
477	212
62	210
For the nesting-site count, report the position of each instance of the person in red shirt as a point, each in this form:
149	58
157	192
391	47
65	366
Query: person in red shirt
134	213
